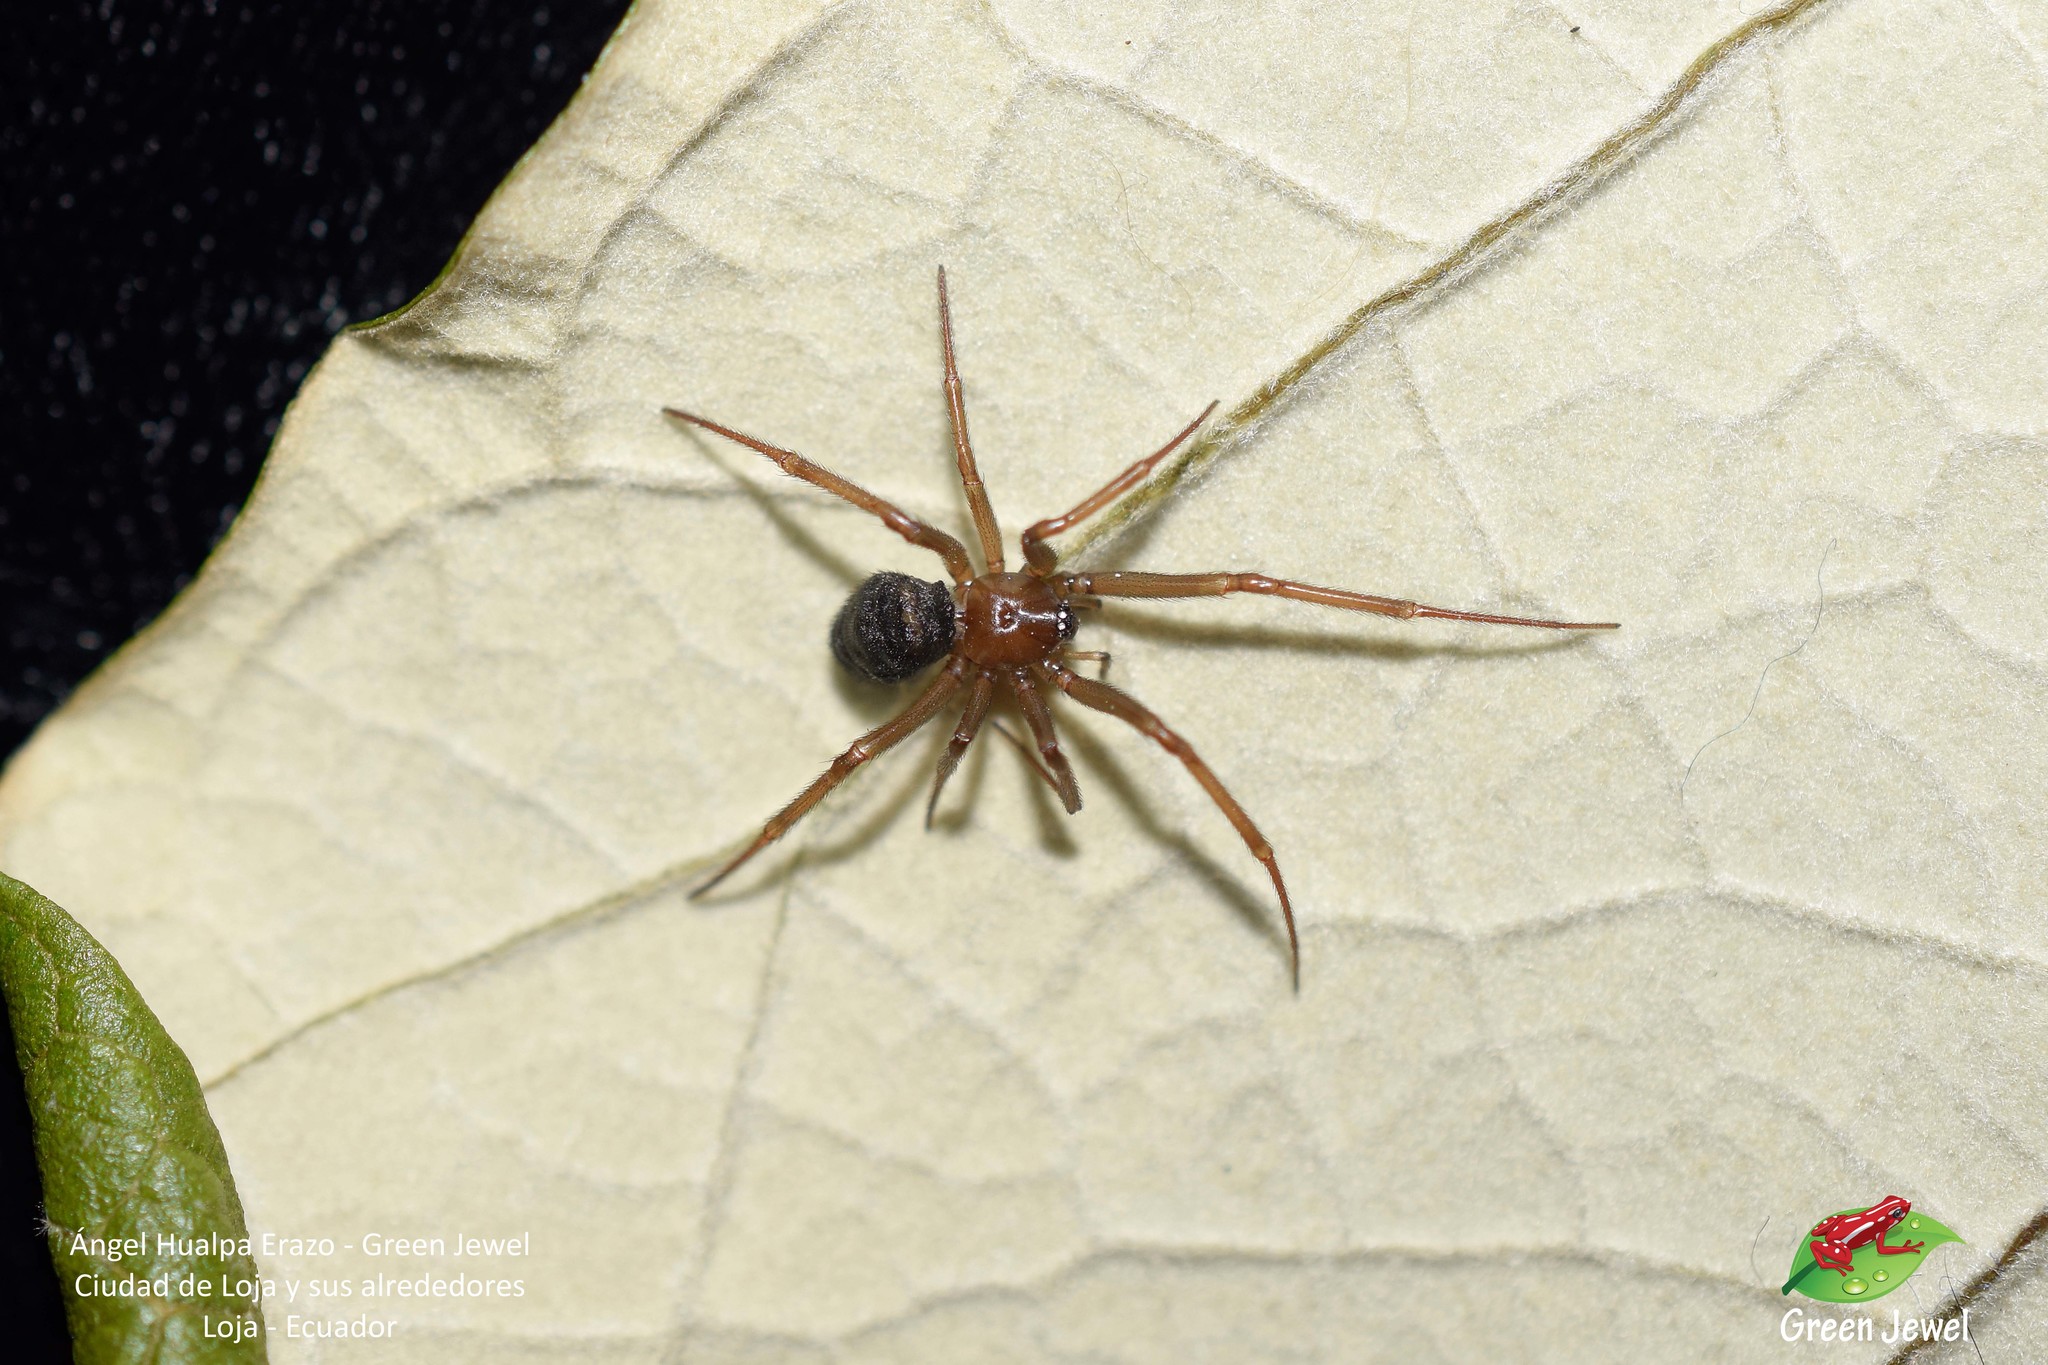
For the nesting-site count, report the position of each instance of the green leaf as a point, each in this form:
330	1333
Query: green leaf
135	1180
1872	1274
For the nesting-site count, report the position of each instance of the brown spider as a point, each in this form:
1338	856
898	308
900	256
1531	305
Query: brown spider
1012	629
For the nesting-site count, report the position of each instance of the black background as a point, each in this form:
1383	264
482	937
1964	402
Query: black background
194	197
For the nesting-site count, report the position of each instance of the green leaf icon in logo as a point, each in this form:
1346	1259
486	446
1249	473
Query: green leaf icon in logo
1874	1247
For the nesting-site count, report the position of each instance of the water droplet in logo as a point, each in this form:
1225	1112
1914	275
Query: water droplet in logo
1881	1276
1853	1286
1914	1223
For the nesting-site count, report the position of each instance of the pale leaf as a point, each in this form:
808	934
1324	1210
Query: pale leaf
1728	327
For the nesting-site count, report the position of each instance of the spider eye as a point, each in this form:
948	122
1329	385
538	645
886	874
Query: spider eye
893	626
1069	623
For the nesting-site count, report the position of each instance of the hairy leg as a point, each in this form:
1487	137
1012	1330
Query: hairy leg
1030	757
892	516
1039	718
978	699
1090	656
875	741
970	478
1123	583
1040	559
1106	699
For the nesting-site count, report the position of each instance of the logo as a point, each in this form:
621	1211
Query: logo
1866	1253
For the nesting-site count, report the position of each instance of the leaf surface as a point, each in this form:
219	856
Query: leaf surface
1610	954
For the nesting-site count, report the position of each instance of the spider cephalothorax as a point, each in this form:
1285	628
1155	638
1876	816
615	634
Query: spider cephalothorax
999	629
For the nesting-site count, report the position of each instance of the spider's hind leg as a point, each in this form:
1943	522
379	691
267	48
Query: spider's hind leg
978	700
876	741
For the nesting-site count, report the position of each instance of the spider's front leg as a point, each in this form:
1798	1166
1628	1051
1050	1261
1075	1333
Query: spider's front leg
1040	558
1130	583
876	741
970	477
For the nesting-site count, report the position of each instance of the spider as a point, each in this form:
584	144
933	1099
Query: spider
1011	631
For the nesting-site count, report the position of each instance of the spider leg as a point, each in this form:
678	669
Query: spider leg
1030	758
1038	716
1040	559
978	699
892	516
1102	697
874	742
1122	583
1093	656
970	477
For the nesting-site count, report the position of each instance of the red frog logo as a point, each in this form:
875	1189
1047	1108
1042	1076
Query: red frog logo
1836	1238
